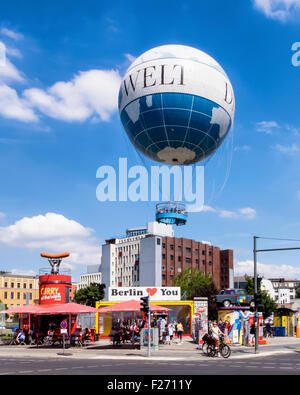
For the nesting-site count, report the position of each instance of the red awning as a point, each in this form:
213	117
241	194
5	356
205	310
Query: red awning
67	308
131	305
26	309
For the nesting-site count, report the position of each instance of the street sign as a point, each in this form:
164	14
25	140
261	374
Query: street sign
64	324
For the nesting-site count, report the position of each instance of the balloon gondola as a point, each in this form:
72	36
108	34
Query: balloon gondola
171	213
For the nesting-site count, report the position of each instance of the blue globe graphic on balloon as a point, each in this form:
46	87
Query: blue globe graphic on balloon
176	105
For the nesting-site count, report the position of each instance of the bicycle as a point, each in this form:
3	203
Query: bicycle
207	341
224	350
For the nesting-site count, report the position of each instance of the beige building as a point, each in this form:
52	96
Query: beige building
15	290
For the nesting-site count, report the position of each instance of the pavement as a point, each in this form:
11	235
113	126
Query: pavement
187	351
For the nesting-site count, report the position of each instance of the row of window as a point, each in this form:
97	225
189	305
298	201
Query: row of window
12	285
187	260
187	250
18	295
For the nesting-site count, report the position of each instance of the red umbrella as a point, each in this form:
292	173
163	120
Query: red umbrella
67	308
26	309
131	305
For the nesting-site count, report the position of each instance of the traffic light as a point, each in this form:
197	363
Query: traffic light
258	302
145	304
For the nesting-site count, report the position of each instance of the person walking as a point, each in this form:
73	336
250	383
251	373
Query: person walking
171	331
179	332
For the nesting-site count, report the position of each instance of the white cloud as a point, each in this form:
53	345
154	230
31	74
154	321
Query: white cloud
54	233
243	148
89	93
14	107
278	9
12	34
242	213
266	271
9	73
287	149
267	127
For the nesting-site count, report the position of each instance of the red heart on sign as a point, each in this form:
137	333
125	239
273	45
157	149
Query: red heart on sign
151	291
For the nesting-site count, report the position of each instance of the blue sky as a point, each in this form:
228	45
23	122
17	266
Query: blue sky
59	122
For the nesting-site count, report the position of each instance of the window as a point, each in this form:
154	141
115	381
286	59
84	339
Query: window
210	253
188	250
5	295
18	295
12	285
12	295
19	285
163	276
172	257
163	256
179	248
24	285
203	263
158	242
197	261
172	247
163	245
163	268
179	270
172	268
5	285
179	259
188	260
203	252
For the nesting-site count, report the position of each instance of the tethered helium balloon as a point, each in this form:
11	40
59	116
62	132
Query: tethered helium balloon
176	105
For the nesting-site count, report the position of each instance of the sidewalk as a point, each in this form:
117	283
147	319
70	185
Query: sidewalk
185	351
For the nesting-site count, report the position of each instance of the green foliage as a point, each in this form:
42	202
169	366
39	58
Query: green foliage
298	293
90	295
190	280
269	305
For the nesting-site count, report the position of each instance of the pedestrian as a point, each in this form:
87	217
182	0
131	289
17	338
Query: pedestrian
179	332
171	331
252	335
167	333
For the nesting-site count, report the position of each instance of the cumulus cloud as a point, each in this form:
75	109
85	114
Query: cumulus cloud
54	233
14	107
278	9
89	93
267	271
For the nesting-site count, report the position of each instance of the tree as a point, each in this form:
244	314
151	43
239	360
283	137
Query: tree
269	305
298	293
90	295
190	280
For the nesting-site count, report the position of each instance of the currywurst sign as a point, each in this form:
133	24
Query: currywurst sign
117	294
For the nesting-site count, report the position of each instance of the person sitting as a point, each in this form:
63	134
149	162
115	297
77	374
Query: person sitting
20	339
216	333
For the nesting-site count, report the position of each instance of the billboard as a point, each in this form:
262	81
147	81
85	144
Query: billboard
120	294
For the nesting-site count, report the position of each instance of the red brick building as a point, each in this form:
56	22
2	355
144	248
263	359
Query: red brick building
179	254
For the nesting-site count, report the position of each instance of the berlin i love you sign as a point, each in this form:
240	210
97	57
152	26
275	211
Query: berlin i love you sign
121	294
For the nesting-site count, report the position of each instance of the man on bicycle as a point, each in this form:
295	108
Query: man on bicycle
216	333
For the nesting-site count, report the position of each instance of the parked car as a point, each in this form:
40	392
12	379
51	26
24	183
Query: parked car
234	297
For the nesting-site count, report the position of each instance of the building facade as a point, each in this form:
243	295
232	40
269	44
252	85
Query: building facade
152	256
18	290
93	276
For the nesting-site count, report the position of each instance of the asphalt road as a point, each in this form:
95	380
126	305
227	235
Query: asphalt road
288	364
